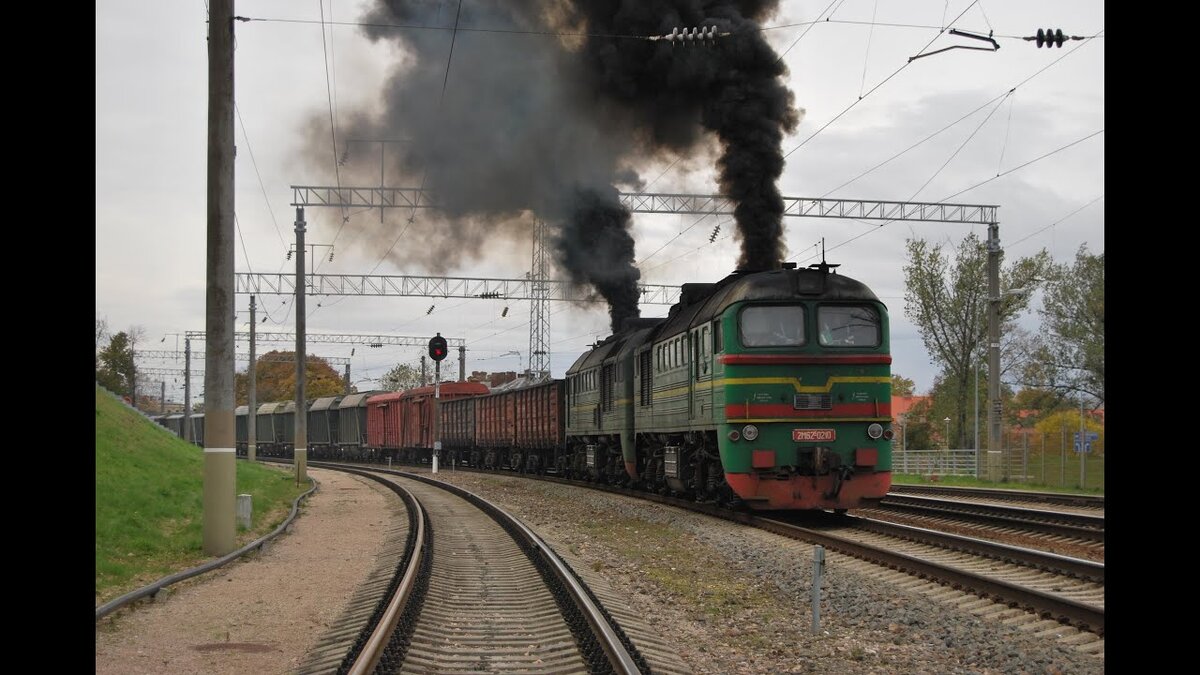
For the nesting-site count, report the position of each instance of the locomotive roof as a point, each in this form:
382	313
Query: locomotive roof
611	345
709	300
701	302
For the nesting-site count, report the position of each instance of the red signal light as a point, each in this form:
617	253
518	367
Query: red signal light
437	347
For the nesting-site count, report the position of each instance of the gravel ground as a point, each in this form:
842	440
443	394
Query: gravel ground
867	625
732	599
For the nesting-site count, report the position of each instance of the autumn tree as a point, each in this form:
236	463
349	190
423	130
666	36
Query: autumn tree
946	297
902	386
402	376
1064	424
275	379
1069	353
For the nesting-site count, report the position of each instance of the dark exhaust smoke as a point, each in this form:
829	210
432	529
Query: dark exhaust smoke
549	107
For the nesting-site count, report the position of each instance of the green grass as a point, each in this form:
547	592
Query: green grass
969	481
149	493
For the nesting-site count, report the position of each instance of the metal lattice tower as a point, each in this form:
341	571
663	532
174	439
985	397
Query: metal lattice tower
539	318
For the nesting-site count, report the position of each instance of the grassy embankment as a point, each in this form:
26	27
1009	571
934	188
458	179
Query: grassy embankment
970	481
149	493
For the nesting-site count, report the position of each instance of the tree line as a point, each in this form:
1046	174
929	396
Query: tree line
1045	374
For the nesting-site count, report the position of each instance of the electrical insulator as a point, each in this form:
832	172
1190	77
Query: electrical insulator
1050	37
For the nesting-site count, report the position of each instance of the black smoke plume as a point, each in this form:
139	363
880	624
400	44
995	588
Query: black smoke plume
511	107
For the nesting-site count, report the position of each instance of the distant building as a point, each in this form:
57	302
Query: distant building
902	404
493	380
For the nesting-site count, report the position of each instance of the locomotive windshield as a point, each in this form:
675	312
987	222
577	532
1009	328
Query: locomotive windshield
772	326
848	326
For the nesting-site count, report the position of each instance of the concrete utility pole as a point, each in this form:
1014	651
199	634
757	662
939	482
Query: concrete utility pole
162	398
187	390
301	444
252	394
462	364
347	378
424	377
220	467
993	411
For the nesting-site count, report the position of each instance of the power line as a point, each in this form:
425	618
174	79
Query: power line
873	89
876	228
1041	70
1036	159
1035	233
332	124
955	153
261	186
331	81
810	25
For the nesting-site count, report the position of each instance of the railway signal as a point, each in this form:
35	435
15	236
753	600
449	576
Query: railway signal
437	347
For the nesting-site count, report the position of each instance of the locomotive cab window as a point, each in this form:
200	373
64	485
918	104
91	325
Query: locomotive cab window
771	326
848	326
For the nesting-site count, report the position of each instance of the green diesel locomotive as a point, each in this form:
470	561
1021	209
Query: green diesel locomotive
768	388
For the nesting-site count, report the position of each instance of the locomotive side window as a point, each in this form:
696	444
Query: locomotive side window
771	326
718	340
848	326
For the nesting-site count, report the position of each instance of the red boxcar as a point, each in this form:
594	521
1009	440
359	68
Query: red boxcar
458	423
383	420
538	416
510	423
403	421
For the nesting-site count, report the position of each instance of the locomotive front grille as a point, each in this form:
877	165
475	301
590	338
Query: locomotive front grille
813	402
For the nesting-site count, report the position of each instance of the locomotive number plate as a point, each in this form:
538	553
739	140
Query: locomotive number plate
810	435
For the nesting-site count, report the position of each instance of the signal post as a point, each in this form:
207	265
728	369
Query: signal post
437	352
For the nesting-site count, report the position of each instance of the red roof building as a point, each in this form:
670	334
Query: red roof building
902	404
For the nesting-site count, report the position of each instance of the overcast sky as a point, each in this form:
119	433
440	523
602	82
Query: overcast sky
1037	153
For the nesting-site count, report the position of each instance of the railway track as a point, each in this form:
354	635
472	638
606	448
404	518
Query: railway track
1066	533
1084	504
1060	595
471	590
1069	590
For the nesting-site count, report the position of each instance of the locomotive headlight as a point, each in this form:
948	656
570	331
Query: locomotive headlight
875	430
734	435
888	434
750	432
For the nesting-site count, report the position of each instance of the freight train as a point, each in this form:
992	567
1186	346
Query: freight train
768	389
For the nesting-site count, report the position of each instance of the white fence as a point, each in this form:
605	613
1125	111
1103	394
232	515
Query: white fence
1037	465
940	462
